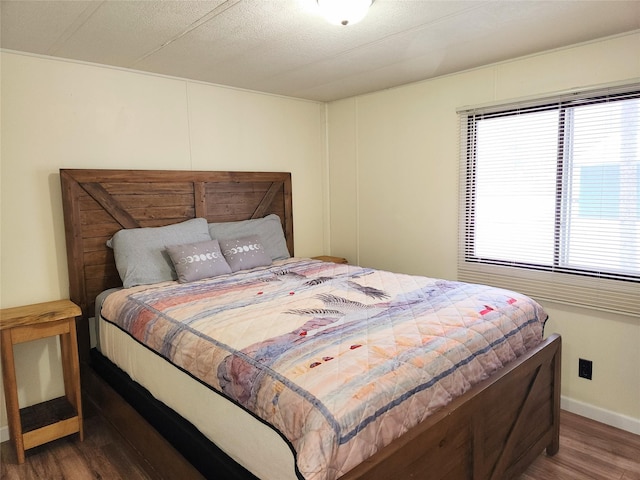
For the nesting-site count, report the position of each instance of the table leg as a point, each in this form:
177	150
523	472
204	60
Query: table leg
71	372
11	394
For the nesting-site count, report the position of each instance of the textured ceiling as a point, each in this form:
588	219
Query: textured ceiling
285	47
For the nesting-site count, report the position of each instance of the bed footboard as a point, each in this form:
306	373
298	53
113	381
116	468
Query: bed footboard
492	432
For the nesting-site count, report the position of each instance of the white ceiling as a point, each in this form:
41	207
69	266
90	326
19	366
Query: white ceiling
285	47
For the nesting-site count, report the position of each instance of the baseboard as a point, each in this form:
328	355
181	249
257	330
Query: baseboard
601	415
4	434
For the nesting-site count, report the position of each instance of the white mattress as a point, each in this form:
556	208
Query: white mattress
251	443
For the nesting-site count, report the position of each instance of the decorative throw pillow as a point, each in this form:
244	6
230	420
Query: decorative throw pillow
268	228
195	261
140	253
244	253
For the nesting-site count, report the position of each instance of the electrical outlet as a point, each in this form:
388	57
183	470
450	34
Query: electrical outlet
585	368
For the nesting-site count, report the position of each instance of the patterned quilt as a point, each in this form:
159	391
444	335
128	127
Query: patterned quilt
341	360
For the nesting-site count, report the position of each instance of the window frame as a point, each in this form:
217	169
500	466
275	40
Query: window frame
588	287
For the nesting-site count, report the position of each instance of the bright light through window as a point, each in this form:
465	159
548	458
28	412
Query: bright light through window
603	207
515	188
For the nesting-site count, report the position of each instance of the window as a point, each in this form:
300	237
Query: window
550	198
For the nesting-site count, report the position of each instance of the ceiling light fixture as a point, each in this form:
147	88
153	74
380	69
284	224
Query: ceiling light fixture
344	12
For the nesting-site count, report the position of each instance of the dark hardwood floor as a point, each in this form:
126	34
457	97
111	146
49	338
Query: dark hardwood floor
588	450
102	455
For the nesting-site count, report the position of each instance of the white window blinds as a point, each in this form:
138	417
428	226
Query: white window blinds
550	198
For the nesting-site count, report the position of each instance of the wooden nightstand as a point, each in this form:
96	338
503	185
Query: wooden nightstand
328	258
46	421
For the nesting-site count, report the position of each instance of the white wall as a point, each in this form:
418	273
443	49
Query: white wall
393	173
62	114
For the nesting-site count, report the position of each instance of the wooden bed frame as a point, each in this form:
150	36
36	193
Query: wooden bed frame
494	431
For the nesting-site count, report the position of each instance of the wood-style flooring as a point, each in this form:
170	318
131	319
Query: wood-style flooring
102	455
588	450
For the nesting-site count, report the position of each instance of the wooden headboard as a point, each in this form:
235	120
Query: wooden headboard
98	203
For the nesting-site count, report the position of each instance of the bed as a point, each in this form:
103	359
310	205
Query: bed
491	429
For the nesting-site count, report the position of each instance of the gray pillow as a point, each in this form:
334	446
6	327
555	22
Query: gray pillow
269	229
195	261
140	253
244	253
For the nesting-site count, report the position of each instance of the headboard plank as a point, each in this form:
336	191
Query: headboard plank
110	205
200	199
268	198
71	206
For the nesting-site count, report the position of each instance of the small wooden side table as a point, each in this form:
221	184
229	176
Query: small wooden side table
46	421
329	258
